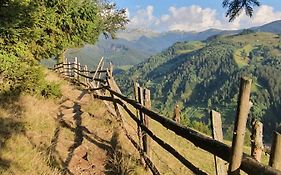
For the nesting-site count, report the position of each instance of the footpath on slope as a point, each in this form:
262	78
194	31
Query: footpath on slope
87	139
74	135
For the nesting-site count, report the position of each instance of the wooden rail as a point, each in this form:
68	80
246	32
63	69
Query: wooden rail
246	162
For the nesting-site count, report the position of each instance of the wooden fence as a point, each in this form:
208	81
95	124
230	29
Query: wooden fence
101	80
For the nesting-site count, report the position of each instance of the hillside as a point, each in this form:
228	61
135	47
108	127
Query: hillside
203	75
72	134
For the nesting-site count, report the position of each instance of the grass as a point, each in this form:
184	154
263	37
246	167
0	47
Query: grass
241	55
192	46
26	129
33	141
165	162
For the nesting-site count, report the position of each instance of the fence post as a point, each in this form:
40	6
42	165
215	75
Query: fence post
146	138
275	154
111	68
69	69
141	118
240	126
79	72
64	67
99	74
177	114
75	68
95	73
256	140
217	134
86	74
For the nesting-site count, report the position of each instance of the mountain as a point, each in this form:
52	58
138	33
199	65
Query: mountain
133	46
273	27
203	75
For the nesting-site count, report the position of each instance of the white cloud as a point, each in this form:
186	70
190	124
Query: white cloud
196	18
144	18
190	18
265	14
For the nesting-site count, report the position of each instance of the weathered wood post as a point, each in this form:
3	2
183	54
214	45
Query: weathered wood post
217	134
275	154
146	138
86	73
99	74
240	126
177	114
256	140
111	68
78	72
96	72
141	118
137	98
64	67
75	68
69	69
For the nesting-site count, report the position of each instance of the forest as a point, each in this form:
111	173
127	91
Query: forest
200	76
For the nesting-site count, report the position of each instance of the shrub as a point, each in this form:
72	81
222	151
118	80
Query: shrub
18	75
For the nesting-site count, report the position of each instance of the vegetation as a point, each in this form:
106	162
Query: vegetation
41	29
234	7
208	78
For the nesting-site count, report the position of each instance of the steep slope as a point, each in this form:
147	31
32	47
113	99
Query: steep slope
207	76
71	135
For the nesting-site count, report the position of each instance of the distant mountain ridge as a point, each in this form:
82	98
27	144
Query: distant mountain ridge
135	46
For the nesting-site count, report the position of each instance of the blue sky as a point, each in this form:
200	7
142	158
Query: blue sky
193	15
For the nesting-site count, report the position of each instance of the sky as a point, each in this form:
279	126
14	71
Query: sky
193	15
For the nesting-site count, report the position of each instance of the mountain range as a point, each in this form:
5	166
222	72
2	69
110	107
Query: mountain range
134	46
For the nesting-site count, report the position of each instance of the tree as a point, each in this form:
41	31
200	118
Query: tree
235	7
32	30
45	28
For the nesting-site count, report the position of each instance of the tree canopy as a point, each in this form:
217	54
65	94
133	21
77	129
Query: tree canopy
45	28
32	30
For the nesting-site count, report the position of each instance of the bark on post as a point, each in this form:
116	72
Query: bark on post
217	135
146	138
275	154
256	140
75	68
240	126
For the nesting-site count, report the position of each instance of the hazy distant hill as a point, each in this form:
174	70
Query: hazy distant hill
135	46
273	27
203	75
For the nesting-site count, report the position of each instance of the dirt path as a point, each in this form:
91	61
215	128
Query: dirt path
86	135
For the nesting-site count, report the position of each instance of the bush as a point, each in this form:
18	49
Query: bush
202	127
18	75
51	90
